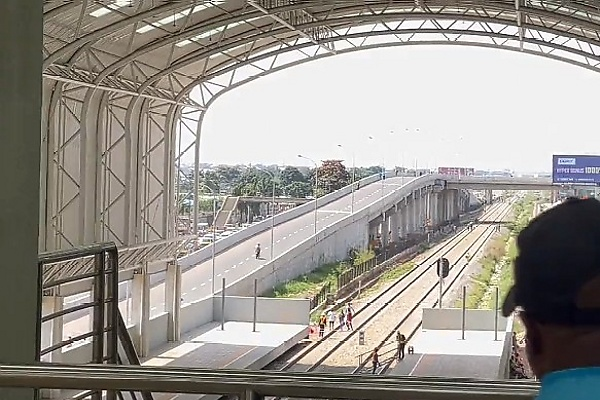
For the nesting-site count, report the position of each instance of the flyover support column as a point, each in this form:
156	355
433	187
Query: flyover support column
415	213
394	226
489	197
457	204
401	219
384	229
140	311
435	209
21	37
173	301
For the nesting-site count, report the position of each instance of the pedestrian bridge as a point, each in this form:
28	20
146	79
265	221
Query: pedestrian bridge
498	183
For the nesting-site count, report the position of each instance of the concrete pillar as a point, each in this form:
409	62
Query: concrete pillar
394	226
384	229
457	203
489	196
52	330
140	311
20	112
435	210
415	212
173	301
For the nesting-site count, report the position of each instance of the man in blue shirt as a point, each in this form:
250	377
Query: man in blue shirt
557	295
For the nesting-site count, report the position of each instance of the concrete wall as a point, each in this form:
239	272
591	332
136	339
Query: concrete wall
451	319
244	234
331	244
196	314
268	310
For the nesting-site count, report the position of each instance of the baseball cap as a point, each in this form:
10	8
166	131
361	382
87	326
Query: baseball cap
557	271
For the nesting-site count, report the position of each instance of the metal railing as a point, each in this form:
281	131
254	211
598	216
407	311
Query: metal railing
355	271
320	297
103	303
110	339
255	385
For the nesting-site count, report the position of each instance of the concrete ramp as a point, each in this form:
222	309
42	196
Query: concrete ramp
224	213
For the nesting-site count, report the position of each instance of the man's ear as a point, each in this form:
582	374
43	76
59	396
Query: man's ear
532	334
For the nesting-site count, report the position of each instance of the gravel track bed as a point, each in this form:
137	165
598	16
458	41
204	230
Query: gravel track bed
345	359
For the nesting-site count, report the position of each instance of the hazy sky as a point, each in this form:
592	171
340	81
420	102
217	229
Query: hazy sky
447	105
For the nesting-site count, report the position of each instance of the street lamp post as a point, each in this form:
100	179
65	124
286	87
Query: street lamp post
316	185
353	179
382	169
272	175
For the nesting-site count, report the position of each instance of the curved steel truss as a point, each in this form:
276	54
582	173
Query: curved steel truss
127	80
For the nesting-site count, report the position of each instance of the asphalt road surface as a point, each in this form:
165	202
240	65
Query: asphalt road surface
237	261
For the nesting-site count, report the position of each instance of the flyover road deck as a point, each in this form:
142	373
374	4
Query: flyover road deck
239	260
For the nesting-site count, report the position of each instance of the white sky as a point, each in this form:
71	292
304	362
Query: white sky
474	107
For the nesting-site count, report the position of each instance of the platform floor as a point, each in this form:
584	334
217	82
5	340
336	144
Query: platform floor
446	354
237	347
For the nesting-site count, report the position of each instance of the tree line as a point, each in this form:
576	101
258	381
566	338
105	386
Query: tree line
289	181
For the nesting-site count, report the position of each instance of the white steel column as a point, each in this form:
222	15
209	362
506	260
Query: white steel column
173	301
140	311
52	331
20	112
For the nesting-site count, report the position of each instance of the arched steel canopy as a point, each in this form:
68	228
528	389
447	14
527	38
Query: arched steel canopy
126	81
161	49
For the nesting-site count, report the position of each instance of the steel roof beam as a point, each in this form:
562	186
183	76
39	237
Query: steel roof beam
289	26
121	91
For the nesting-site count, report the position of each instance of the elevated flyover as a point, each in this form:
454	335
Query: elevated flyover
297	250
498	183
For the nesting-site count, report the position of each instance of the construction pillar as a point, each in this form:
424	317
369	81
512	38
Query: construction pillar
173	301
140	311
21	36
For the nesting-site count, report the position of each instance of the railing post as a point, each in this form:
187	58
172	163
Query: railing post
223	305
98	310
255	305
496	307
464	312
112	344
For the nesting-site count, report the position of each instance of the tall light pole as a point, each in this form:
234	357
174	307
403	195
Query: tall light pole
214	231
272	175
382	168
316	185
353	179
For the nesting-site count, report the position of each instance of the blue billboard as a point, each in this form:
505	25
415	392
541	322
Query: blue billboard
580	170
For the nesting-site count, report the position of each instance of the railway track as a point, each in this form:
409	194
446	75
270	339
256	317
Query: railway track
411	321
419	279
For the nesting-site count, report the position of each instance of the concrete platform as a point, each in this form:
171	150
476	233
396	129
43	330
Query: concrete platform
237	347
440	350
445	354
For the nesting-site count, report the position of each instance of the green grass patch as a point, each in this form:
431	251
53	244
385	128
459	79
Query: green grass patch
309	284
392	274
503	250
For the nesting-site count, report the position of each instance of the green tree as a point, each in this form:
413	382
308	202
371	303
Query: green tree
367	171
298	189
290	175
332	176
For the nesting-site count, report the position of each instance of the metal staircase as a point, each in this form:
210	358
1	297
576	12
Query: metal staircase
224	214
109	337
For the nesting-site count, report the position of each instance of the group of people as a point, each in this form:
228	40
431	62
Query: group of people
344	318
401	342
